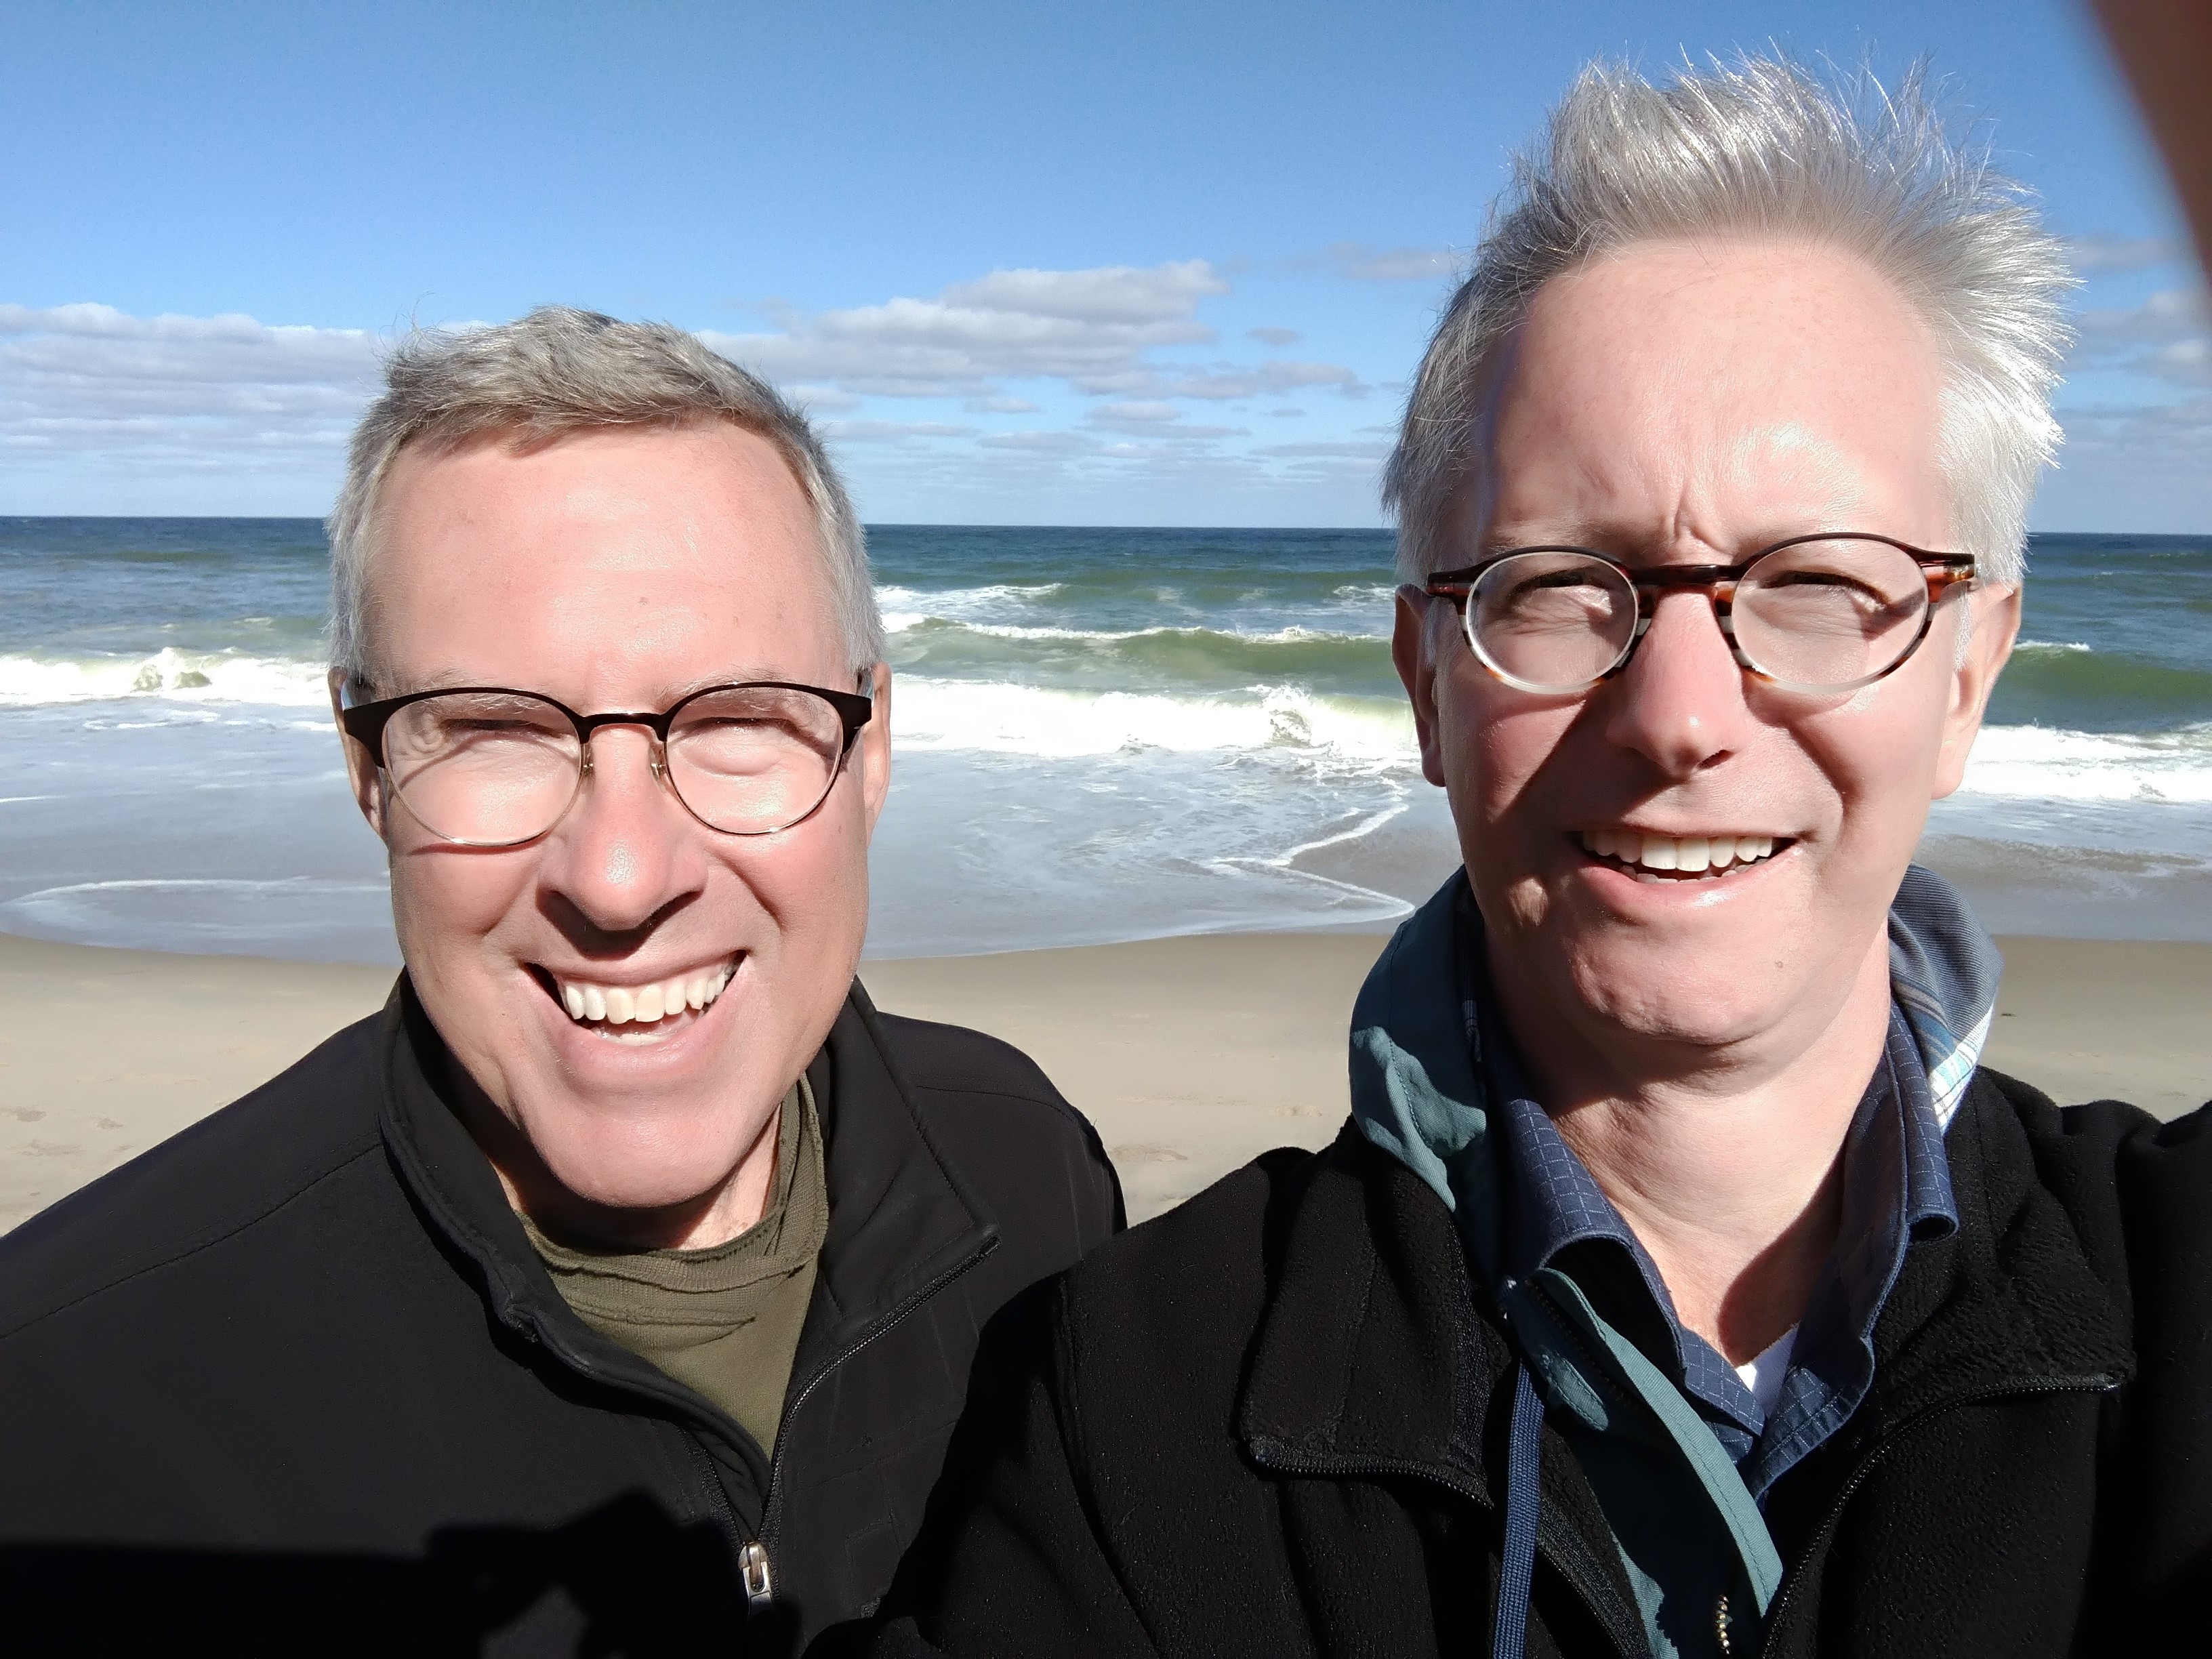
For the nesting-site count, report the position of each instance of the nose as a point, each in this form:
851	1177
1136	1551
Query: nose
1680	703
627	849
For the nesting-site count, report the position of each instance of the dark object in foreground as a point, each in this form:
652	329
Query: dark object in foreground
1274	1422
296	1381
624	1579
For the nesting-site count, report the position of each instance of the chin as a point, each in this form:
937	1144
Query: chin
1714	998
637	1165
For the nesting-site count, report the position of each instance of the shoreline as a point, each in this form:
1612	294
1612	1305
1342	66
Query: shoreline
1191	1055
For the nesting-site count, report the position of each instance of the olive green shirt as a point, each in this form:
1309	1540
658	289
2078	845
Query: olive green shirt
723	1321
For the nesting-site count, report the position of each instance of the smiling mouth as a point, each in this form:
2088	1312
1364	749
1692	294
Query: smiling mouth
638	1013
1679	858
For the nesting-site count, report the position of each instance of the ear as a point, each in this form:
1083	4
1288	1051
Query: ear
362	770
872	751
1994	615
1410	652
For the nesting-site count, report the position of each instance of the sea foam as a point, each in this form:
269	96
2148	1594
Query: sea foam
2040	764
1015	719
198	677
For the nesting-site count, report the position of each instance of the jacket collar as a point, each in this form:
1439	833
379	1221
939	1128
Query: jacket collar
1378	1353
902	1220
1371	1349
2009	1301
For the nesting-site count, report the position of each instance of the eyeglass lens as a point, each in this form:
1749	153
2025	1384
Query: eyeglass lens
498	769
1822	615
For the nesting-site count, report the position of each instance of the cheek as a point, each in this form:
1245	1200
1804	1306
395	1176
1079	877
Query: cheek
813	882
1496	754
444	901
1881	753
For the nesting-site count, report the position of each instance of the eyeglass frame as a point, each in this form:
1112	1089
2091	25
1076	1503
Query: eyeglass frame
365	724
1944	572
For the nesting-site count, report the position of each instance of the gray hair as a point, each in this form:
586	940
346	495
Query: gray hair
560	370
1760	147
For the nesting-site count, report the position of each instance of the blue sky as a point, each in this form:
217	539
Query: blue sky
1135	263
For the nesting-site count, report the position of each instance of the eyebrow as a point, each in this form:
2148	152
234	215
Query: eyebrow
449	679
1631	547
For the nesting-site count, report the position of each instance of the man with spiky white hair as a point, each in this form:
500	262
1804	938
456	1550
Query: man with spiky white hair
1683	1285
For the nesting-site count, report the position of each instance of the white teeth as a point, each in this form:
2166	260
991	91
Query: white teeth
640	1004
1700	855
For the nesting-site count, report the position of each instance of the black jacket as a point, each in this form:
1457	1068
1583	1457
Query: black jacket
1274	1422
295	1382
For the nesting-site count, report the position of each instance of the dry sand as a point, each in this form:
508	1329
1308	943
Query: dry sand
1190	1054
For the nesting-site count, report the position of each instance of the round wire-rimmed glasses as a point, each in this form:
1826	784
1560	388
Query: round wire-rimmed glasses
486	766
1825	613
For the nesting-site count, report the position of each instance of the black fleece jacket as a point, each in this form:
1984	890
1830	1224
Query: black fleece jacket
1274	1422
294	1382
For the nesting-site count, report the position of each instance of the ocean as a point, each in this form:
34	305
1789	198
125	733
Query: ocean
1100	735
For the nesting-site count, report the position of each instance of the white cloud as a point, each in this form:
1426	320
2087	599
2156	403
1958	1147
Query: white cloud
821	400
1363	264
2171	313
1053	443
2101	253
1107	294
1094	331
1326	451
1137	415
2133	469
890	432
101	411
1086	327
1274	336
96	403
1160	421
1267	379
2168	337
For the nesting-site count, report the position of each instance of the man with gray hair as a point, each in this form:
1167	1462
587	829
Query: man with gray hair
615	1291
1681	1284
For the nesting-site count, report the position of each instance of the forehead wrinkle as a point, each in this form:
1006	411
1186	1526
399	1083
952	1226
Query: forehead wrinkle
1686	478
1765	483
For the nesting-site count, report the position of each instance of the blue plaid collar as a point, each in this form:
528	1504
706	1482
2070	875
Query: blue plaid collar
1422	1091
1897	1189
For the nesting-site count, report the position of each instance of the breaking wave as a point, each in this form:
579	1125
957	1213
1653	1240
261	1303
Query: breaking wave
1004	718
190	676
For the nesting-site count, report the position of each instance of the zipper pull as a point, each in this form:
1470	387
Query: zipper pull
753	1570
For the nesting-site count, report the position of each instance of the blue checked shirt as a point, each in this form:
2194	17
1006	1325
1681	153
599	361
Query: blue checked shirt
1897	1187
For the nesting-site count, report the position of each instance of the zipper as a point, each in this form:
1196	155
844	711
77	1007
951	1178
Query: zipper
770	1509
2098	1384
756	1568
719	1500
752	1568
1627	1638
